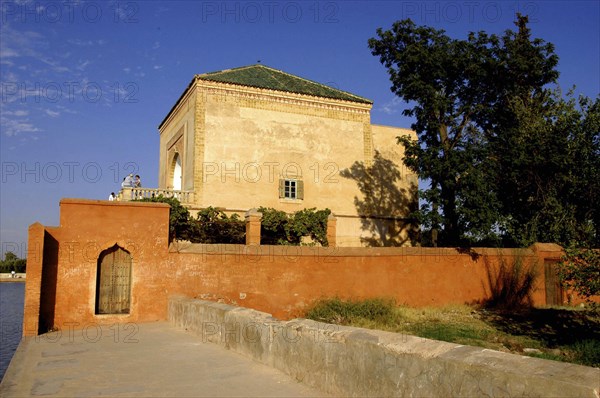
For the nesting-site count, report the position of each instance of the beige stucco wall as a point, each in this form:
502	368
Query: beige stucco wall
245	139
385	141
177	136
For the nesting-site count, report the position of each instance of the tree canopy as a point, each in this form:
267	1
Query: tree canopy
12	262
507	159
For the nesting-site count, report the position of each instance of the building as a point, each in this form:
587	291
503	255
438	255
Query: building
255	136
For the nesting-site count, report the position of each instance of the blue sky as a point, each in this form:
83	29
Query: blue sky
84	84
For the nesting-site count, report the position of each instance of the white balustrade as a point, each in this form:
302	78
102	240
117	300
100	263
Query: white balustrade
127	194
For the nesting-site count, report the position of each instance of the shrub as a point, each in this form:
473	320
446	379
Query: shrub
344	312
214	226
279	228
579	269
272	229
179	217
511	285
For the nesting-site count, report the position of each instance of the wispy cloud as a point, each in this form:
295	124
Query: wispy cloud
86	43
15	113
12	127
19	43
64	109
52	113
80	43
55	65
82	65
391	107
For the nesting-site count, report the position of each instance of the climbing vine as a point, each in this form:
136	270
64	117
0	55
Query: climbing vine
212	225
279	228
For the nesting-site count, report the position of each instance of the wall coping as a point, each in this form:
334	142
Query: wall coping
352	361
184	247
97	202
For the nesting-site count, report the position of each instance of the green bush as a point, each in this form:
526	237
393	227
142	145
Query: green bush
579	269
279	228
587	352
179	217
214	226
273	226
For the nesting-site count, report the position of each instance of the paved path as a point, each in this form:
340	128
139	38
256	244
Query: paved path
151	359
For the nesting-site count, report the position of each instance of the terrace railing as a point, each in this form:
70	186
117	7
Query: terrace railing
127	194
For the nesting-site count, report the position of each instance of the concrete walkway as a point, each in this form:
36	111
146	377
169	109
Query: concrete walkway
148	360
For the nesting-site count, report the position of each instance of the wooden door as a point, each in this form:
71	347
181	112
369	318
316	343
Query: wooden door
554	291
113	285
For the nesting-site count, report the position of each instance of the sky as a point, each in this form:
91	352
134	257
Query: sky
85	84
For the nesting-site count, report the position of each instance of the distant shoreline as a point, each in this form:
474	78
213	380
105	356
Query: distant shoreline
6	277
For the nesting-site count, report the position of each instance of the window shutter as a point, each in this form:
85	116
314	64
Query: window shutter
300	189
281	188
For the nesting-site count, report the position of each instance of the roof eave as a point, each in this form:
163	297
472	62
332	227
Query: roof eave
192	83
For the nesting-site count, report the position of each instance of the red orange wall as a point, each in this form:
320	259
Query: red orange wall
61	275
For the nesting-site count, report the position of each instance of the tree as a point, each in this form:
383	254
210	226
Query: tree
12	262
579	269
459	91
546	165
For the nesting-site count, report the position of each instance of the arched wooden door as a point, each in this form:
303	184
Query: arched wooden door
113	282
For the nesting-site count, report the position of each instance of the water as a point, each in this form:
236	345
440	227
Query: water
12	297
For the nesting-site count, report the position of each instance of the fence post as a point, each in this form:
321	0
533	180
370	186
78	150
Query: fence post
331	230
253	218
126	194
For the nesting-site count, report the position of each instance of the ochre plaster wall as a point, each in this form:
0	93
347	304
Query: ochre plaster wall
69	258
238	142
61	277
285	280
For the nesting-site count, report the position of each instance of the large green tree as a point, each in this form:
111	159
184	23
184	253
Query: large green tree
546	165
502	154
12	262
433	71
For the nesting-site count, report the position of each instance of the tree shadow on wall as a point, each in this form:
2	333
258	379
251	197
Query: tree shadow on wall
385	209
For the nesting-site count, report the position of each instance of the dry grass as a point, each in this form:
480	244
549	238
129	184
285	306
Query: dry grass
570	335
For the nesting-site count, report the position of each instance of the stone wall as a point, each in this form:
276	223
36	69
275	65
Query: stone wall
63	263
347	361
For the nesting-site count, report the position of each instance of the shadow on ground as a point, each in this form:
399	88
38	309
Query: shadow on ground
553	327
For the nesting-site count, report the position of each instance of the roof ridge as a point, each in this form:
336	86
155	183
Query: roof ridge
315	82
229	70
289	75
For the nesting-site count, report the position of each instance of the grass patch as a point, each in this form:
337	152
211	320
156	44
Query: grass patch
342	312
564	334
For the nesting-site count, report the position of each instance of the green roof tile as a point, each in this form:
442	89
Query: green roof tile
262	76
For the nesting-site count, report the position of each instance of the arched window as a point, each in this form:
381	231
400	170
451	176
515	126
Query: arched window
177	173
113	282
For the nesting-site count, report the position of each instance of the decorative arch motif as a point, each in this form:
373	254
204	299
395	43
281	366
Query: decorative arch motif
174	161
176	172
113	281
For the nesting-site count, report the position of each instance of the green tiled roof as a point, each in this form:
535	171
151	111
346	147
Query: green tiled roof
262	76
